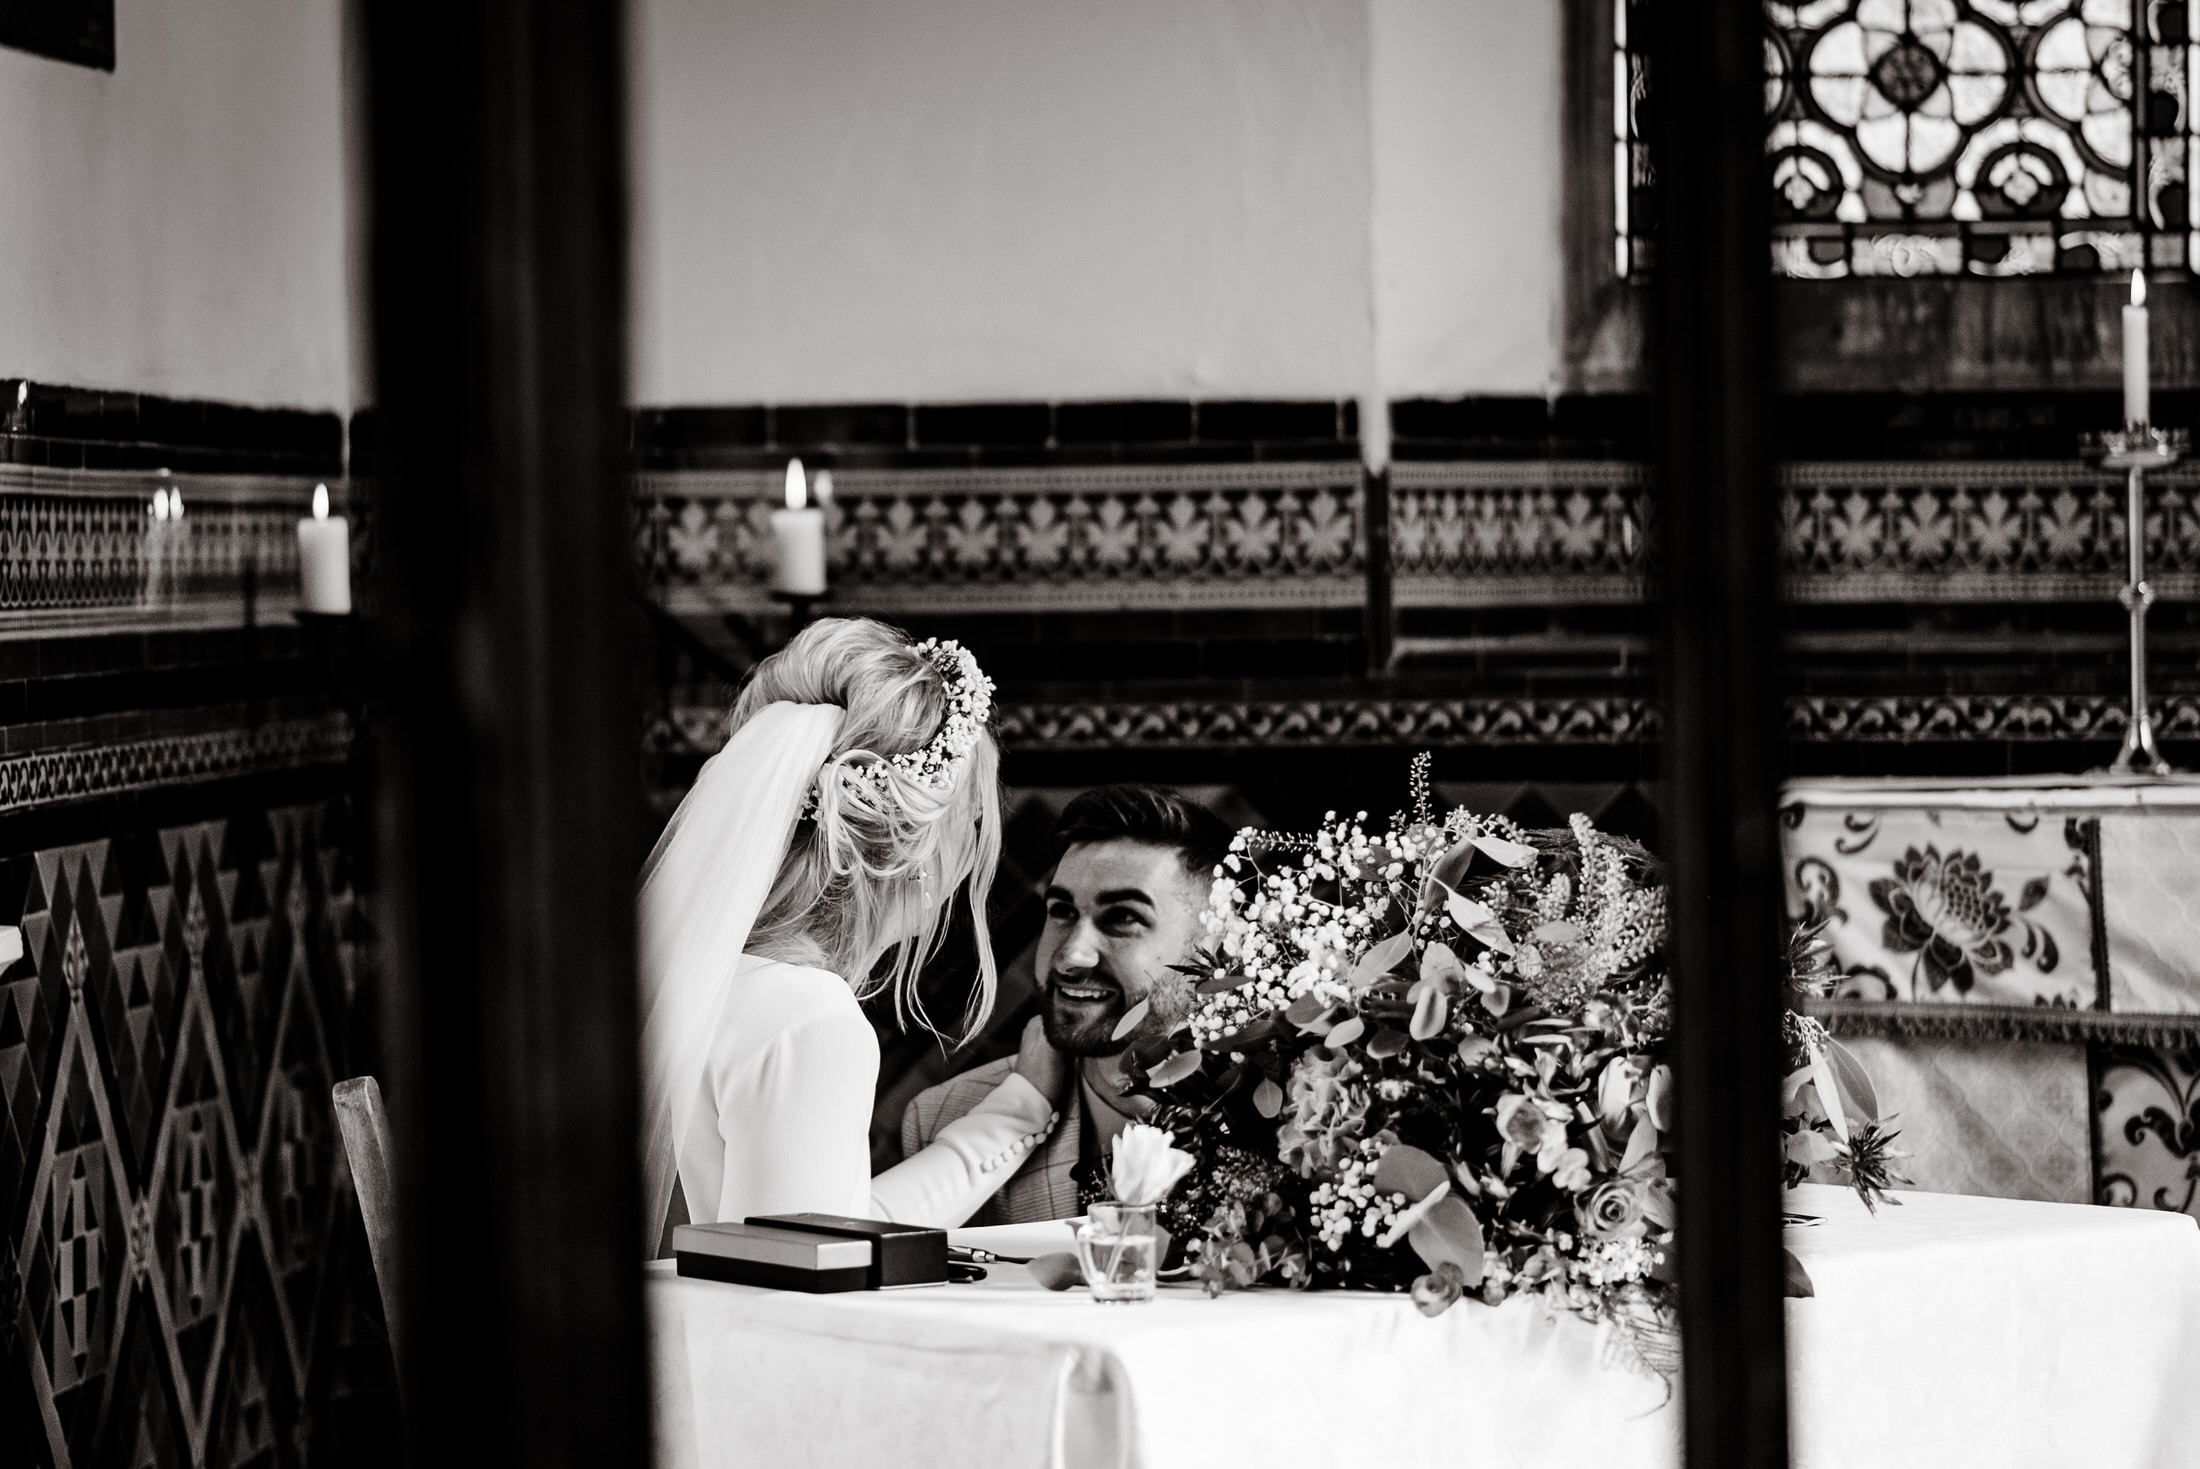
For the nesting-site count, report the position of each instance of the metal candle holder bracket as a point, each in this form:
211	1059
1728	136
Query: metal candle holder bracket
2135	450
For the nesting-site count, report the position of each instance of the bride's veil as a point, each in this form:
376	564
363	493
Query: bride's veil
700	892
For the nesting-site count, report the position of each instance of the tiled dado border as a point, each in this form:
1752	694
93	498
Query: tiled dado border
81	551
697	727
1468	533
44	777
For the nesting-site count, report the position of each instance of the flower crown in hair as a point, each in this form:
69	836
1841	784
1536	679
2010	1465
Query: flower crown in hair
939	764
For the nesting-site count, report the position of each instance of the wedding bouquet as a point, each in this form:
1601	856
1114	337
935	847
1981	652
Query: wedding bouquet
1434	1059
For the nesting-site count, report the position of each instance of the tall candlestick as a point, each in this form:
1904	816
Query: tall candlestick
799	531
2136	387
324	559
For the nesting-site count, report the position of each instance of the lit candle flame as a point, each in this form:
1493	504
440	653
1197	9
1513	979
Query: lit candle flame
796	495
2138	288
320	502
824	487
160	504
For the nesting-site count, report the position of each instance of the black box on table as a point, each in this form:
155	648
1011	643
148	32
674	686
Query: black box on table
783	1259
903	1254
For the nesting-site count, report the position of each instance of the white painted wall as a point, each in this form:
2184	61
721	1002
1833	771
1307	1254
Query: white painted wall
973	199
1467	98
177	226
853	199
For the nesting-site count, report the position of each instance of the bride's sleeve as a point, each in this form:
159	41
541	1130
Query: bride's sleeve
968	1160
797	1127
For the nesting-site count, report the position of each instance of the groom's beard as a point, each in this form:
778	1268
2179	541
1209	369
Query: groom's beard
1083	1024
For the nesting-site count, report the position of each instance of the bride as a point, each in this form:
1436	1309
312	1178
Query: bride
857	794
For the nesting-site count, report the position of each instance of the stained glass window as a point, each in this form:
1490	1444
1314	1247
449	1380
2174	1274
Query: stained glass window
1954	137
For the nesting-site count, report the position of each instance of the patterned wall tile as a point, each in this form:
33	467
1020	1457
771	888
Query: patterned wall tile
81	548
164	1057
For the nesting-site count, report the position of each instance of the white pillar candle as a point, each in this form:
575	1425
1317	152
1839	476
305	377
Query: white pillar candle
2137	409
324	559
799	531
1374	432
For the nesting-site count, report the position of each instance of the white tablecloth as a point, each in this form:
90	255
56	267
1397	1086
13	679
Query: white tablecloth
1950	1332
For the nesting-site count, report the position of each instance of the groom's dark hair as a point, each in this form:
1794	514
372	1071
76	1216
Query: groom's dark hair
1143	813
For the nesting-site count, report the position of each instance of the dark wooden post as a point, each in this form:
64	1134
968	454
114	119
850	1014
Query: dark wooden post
508	861
1724	742
1382	615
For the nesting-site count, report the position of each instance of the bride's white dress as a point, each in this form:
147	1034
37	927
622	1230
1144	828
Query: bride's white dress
759	1075
781	1122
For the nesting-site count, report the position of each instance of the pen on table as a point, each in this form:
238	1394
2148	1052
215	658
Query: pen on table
984	1257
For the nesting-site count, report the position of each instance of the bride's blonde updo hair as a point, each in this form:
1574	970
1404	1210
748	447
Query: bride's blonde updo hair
883	845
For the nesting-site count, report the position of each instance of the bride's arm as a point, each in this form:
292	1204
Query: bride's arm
968	1161
796	1130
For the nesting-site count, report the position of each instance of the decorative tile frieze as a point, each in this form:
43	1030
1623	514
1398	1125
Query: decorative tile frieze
1594	720
1195	723
1870	719
1468	533
693	726
1018	539
1970	531
99	770
1465	533
82	548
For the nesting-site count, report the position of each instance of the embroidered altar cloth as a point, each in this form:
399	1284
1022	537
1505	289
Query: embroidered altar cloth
2078	892
1948	1331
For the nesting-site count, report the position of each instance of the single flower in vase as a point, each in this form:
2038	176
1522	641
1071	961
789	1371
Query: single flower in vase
1145	1166
1120	1243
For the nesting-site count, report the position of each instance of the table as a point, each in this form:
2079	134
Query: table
1951	1331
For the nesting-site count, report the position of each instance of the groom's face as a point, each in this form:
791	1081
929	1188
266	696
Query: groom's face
1119	915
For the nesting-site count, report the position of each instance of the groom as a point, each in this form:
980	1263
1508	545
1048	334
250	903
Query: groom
1123	907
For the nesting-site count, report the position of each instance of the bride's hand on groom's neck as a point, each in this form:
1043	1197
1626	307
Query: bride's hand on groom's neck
1040	1064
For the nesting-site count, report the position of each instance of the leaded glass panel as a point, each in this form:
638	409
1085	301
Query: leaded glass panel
1953	137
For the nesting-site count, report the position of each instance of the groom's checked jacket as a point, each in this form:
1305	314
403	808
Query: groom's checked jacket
1043	1187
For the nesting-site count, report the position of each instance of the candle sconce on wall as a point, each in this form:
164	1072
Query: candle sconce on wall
165	553
324	598
798	537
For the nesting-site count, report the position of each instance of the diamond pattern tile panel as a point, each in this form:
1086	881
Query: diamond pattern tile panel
170	1170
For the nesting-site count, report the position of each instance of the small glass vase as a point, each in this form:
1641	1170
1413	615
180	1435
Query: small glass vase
1119	1247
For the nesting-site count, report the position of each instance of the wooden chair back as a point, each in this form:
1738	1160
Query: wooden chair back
366	1129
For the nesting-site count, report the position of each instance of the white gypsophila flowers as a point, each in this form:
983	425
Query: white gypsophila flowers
1614	1262
937	766
1280	937
1350	1204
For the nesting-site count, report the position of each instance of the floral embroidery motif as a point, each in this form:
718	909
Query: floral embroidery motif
2148	1102
1947	911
